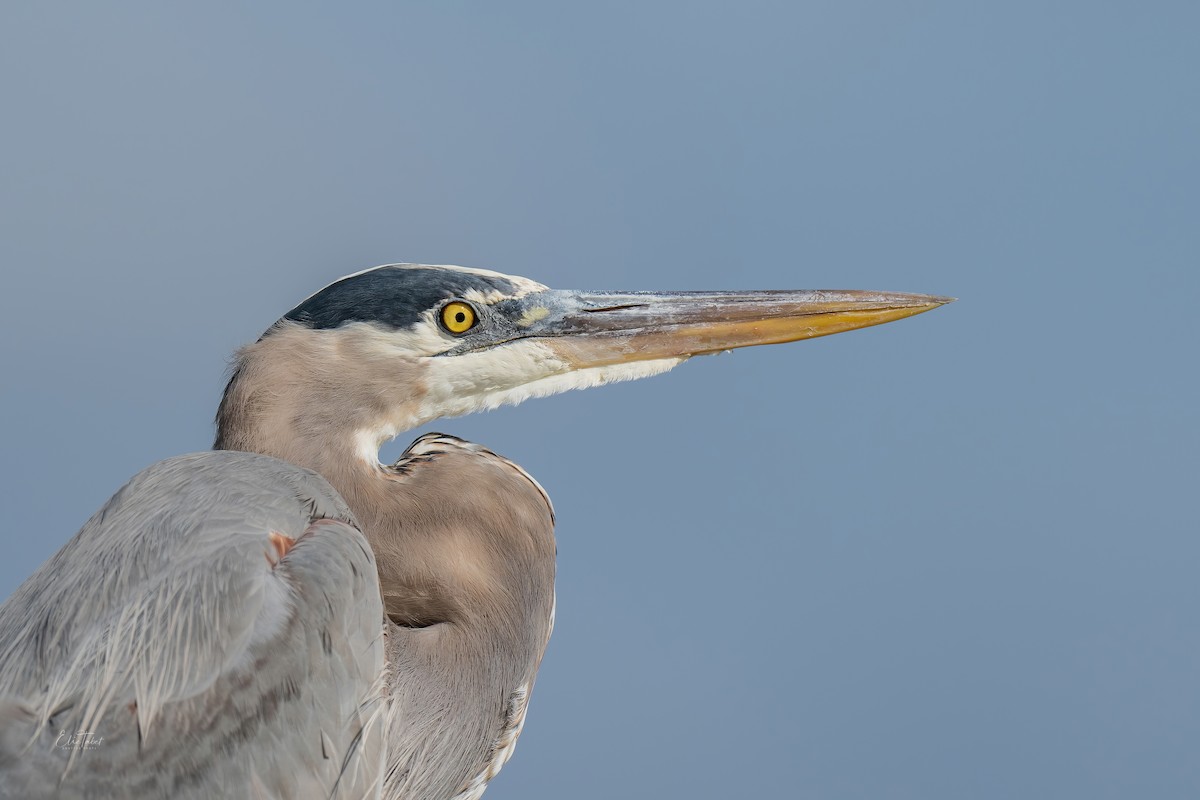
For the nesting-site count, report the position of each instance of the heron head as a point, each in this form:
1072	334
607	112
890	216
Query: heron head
442	341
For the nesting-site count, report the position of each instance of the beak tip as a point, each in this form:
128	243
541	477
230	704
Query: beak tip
928	302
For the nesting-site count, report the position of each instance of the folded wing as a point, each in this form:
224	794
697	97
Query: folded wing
214	630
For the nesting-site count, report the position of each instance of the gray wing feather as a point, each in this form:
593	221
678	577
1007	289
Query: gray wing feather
194	660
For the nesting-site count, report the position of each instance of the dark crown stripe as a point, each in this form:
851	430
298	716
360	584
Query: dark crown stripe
391	296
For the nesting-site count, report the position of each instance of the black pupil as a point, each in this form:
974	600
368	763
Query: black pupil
460	317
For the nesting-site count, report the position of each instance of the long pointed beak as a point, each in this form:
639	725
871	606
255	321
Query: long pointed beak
599	329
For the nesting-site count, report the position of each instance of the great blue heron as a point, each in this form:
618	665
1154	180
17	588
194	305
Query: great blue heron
298	620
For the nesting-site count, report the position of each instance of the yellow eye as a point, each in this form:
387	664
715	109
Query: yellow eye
458	317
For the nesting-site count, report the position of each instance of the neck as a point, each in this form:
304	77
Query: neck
325	400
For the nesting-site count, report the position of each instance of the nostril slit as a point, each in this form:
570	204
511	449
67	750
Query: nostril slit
614	308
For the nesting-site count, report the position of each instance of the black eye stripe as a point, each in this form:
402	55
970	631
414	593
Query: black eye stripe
393	296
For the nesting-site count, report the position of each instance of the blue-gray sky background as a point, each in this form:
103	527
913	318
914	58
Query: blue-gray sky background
955	556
